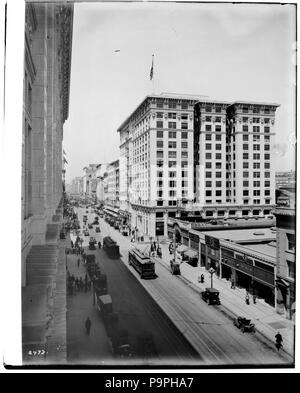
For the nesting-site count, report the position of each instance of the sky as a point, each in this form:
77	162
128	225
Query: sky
228	52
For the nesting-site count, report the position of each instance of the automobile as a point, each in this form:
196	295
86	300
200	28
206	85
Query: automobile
211	296
86	233
98	229
244	324
146	345
90	226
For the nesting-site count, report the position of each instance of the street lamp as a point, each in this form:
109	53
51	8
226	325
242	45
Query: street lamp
211	271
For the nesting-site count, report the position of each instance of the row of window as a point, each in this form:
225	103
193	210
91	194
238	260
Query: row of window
256	147
245	202
208	165
172	124
217	119
255	137
256	129
170	203
171	164
256	156
172	134
172	115
218	137
256	165
266	120
171	144
172	174
256	192
245	109
171	154
245	174
256	183
218	146
208	127
171	104
172	183
256	174
172	193
210	213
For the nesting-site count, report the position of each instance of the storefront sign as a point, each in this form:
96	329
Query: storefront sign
212	242
194	238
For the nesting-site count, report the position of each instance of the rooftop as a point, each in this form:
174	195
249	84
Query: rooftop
268	249
256	103
245	236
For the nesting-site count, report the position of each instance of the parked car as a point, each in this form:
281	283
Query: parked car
98	229
86	233
211	296
90	226
244	324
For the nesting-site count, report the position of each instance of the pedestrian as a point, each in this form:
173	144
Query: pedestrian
88	324
77	284
72	244
247	298
279	341
78	262
254	299
99	245
81	285
232	285
154	245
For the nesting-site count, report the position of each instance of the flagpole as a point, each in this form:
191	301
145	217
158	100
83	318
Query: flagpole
152	75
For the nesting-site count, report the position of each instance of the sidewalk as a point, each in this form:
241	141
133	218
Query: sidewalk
267	321
84	349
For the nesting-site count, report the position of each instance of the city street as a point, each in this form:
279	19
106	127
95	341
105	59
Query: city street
209	330
138	313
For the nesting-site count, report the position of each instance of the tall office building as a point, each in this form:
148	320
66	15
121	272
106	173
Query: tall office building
156	163
234	173
194	157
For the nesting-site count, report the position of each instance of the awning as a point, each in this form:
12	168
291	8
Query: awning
124	213
191	253
181	248
284	283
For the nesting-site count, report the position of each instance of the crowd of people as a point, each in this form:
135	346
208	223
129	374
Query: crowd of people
78	284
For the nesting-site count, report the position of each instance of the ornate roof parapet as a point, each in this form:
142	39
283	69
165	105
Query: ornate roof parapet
30	21
64	22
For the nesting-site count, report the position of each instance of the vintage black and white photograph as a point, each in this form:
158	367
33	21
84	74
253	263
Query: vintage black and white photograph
157	154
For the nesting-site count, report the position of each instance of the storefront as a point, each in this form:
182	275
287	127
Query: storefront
249	272
212	254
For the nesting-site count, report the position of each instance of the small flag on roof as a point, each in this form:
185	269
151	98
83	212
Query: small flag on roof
151	71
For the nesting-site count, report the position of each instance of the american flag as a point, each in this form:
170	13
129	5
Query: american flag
151	71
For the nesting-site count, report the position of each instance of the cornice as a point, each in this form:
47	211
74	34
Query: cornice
64	20
28	60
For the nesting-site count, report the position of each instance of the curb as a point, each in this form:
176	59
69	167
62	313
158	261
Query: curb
229	313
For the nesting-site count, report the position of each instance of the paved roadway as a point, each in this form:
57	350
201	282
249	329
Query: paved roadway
138	314
207	328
